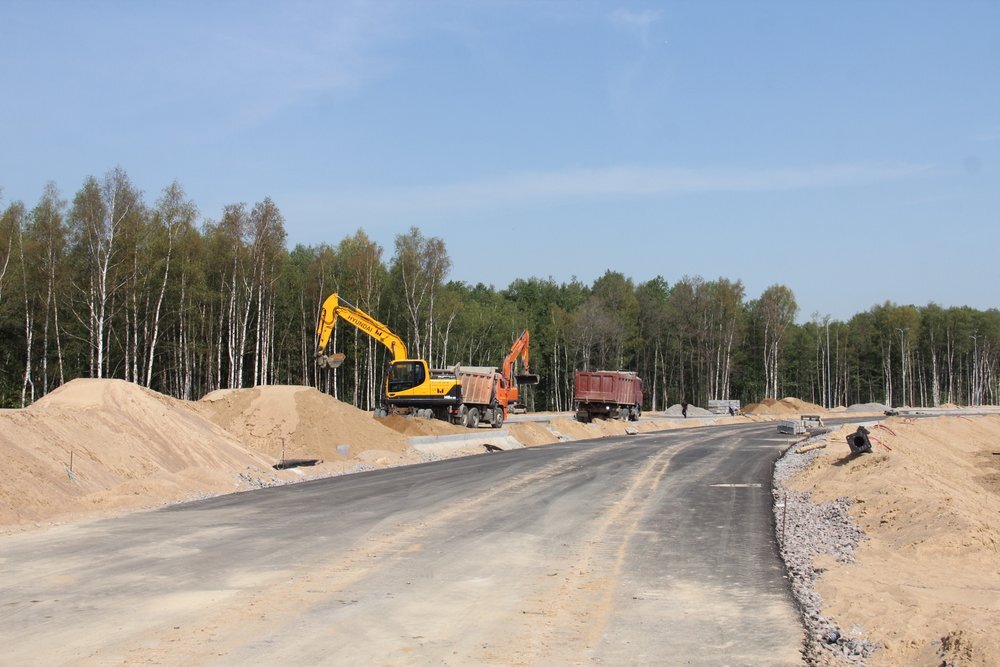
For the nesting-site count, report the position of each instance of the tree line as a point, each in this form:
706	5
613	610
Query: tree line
108	285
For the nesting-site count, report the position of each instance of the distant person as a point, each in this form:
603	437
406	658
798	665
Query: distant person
732	412
684	408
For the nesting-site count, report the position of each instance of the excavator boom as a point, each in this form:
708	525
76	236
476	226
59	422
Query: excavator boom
519	349
335	307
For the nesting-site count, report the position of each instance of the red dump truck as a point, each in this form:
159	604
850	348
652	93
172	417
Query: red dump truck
607	395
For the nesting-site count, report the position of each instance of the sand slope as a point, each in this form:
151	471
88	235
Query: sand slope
129	448
926	583
297	422
783	407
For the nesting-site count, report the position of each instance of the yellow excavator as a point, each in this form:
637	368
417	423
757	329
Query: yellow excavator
411	384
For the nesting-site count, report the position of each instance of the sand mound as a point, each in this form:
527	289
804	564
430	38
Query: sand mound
928	498
96	446
297	422
784	407
416	426
530	434
571	429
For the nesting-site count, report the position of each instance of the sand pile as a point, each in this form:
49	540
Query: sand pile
298	422
531	434
571	429
926	582
417	426
98	446
784	407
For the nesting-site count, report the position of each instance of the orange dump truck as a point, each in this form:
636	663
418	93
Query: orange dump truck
481	398
607	395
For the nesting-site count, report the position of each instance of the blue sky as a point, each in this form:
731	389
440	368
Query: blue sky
849	150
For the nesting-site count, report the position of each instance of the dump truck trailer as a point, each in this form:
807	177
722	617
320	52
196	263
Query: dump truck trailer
607	395
480	397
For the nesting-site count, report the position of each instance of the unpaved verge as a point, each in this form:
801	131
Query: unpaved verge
893	554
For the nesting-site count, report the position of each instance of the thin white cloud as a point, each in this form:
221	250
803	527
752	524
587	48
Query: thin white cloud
622	182
637	22
243	71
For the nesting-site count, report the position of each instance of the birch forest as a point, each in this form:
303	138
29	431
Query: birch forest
109	283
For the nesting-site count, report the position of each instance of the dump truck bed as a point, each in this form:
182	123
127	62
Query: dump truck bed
479	384
617	387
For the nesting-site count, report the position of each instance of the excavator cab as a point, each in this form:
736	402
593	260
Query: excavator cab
405	375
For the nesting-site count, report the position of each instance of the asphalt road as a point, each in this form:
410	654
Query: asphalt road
650	549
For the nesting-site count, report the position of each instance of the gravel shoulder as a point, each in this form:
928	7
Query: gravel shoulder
893	554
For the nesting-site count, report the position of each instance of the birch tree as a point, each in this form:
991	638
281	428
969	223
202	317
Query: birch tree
99	212
359	261
7	236
45	240
775	312
267	227
173	216
420	266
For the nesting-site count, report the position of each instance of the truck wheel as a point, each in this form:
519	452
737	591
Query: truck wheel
497	418
472	419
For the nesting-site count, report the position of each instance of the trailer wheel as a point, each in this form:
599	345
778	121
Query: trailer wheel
472	419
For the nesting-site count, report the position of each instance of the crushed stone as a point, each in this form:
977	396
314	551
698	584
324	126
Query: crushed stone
806	530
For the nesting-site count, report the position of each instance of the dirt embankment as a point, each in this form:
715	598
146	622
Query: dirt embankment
96	446
785	407
99	447
925	584
297	422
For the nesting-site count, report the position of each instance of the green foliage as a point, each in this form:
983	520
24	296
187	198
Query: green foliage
188	309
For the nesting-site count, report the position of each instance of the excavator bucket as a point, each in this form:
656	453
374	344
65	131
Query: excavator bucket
527	378
330	361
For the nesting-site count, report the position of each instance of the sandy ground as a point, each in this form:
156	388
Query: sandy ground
926	583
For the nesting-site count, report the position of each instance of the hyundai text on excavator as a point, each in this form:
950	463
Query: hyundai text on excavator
461	395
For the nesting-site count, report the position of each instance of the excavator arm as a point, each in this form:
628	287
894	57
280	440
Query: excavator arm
335	307
519	349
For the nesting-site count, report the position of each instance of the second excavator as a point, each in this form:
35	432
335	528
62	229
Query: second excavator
509	383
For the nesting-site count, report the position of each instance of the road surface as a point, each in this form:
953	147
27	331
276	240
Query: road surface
648	549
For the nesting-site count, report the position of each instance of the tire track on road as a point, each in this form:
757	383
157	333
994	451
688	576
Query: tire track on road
249	614
577	611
